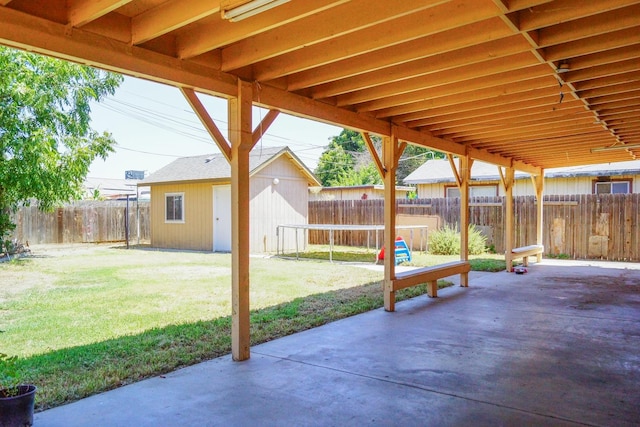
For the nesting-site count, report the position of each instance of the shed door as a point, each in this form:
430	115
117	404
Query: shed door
222	218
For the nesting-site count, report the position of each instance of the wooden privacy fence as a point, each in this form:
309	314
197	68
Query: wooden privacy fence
83	222
603	226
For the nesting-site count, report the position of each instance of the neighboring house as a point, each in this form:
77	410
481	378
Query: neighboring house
191	200
356	192
434	179
114	189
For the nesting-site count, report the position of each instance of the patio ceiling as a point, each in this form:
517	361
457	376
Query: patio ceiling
476	77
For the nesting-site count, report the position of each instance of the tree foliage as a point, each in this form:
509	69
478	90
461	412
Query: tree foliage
46	142
346	161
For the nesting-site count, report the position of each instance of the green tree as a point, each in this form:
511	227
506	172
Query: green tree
346	161
46	142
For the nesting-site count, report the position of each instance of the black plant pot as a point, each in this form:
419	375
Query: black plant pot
17	411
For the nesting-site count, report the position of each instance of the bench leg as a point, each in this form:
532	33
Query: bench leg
432	289
525	261
464	280
389	300
508	258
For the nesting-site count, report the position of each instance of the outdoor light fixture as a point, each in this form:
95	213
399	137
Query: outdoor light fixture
616	147
563	67
237	10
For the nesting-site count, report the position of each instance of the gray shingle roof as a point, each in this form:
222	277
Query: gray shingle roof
433	171
213	166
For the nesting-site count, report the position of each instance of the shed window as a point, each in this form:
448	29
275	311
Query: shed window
174	207
612	187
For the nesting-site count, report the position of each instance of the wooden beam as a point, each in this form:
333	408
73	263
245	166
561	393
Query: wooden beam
465	177
374	154
508	217
390	164
476	54
169	16
454	169
27	32
241	141
593	44
270	97
468	74
491	84
217	33
355	44
207	121
263	126
563	11
81	12
610	90
424	47
538	184
345	20
527	89
570	108
287	102
400	149
614	20
538	97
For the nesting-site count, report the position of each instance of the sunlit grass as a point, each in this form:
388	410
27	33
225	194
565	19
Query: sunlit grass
484	262
87	322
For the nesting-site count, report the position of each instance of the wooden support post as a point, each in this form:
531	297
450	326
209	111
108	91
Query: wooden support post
538	184
241	138
389	241
465	176
508	179
390	156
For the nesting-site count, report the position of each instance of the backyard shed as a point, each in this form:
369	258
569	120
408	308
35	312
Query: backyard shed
434	179
191	200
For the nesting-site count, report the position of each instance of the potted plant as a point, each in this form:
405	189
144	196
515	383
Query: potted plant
17	399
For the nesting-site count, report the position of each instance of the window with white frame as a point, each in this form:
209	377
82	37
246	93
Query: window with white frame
612	187
474	191
174	207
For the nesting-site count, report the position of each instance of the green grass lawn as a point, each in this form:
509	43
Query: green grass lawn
484	262
91	318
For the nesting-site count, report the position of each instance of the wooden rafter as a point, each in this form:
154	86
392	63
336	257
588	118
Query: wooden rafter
83	12
264	125
207	122
442	71
374	154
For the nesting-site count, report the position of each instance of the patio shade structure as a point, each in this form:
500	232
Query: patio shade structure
523	84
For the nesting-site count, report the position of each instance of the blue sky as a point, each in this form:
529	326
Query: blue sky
153	125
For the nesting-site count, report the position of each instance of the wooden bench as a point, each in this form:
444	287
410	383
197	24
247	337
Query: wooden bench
428	275
524	252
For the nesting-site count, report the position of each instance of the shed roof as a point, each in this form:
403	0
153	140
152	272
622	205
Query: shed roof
371	187
434	171
215	167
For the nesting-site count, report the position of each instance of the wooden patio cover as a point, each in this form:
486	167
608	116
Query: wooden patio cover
523	84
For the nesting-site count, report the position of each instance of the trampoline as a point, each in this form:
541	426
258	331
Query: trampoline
422	230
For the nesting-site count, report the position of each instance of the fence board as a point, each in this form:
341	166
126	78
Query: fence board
570	223
83	222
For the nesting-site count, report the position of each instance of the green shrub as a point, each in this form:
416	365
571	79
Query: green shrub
446	241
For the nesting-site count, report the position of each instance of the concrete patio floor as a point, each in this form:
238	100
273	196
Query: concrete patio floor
559	345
